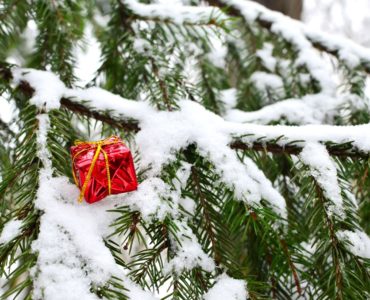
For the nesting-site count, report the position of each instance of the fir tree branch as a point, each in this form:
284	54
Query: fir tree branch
270	147
185	15
162	85
267	24
262	144
207	219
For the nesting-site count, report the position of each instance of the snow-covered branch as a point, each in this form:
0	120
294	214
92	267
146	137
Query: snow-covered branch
177	14
291	30
343	141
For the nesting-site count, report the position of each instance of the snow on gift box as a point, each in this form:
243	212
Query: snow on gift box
102	168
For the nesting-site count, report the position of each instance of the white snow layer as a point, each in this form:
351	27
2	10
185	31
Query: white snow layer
11	230
189	253
227	288
311	109
70	246
163	133
178	14
302	37
48	88
323	169
292	31
359	242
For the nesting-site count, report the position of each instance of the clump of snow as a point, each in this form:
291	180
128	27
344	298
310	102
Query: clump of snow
11	230
303	37
152	199
42	149
227	288
176	13
301	135
323	169
359	242
189	253
71	251
311	109
268	192
141	45
102	100
265	54
351	59
266	82
292	32
217	53
48	87
228	97
182	176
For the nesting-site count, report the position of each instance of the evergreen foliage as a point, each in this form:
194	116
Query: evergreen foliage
161	58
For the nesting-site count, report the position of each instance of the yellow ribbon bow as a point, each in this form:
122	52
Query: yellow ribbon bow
98	145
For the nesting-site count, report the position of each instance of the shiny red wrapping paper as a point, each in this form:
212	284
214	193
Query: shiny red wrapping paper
121	168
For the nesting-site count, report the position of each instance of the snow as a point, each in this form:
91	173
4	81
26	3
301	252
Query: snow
303	37
323	169
151	199
267	82
359	242
301	135
174	12
265	54
292	32
227	288
189	253
141	45
311	109
192	123
11	230
46	96
228	97
42	149
217	52
72	241
70	246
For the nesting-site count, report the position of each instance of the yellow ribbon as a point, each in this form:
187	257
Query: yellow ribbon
98	145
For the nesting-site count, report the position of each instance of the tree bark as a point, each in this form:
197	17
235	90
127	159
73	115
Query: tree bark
291	8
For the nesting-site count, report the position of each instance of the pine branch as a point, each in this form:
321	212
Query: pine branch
207	219
262	144
266	146
185	15
267	24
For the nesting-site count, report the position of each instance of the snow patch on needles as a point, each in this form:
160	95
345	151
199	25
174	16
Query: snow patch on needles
303	37
291	31
48	87
189	253
227	288
266	82
358	242
151	199
164	133
311	109
11	230
323	169
70	246
176	13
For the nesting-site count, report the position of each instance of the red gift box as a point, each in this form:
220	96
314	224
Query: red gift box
103	168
